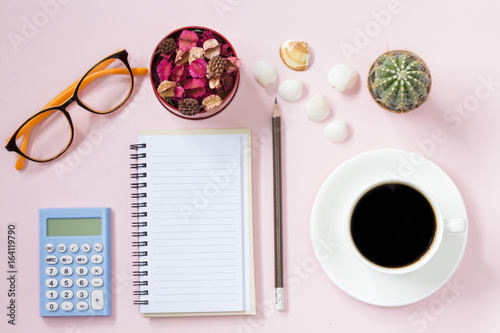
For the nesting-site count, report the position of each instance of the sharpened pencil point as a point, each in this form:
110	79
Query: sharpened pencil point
276	111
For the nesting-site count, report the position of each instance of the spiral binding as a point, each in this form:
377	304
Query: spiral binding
139	222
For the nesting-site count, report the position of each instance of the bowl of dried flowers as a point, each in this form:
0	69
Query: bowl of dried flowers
194	72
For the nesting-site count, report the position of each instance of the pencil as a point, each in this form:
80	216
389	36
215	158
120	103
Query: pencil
278	232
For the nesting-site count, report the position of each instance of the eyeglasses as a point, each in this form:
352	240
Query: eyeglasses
48	134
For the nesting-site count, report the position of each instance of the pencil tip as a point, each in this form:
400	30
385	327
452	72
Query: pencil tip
276	111
275	100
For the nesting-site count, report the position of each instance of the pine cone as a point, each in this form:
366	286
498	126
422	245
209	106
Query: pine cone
189	107
167	46
215	67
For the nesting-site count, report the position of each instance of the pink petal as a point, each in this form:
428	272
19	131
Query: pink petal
179	73
198	68
179	94
187	40
225	50
207	34
195	88
163	69
234	63
227	80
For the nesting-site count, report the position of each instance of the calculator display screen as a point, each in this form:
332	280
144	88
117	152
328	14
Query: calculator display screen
74	227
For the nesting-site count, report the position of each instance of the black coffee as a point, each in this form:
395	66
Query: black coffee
393	225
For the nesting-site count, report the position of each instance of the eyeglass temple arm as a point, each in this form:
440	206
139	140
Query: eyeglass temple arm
63	97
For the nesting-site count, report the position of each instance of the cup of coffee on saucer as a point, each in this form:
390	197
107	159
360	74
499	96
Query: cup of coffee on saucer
397	227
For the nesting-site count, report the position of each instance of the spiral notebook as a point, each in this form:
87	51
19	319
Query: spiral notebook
193	220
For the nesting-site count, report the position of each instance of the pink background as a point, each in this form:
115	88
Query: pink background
47	44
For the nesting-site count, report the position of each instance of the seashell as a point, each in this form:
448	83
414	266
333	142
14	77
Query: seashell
317	109
264	73
295	55
290	90
342	77
336	131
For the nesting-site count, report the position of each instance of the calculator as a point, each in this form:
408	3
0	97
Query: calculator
75	262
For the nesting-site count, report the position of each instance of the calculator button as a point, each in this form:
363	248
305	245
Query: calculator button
66	283
67	306
98	247
61	248
82	282
97	298
96	259
96	270
66	271
51	294
51	271
81	259
51	283
96	282
82	293
82	270
49	248
86	247
66	259
51	260
67	294
73	248
52	306
82	306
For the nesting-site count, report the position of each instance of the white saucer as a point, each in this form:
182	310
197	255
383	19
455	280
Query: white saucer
329	238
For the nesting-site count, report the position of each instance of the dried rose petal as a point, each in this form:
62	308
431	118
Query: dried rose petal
195	88
198	68
207	34
226	51
179	73
187	40
212	103
212	48
181	57
163	69
233	64
179	93
195	53
166	89
227	80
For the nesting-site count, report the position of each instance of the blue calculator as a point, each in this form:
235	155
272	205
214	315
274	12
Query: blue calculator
75	262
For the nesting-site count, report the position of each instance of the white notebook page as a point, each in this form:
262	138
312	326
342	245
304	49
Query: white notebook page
197	215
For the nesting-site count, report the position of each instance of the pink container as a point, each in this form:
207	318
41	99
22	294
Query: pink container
227	96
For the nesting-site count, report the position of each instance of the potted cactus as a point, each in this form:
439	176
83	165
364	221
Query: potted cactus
399	81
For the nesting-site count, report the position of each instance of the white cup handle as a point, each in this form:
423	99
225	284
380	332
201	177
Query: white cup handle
455	225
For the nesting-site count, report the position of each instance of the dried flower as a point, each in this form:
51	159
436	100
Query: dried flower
166	89
187	40
189	107
212	48
198	68
195	88
212	102
163	69
195	53
167	46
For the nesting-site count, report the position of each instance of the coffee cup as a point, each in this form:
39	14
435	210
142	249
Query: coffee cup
397	227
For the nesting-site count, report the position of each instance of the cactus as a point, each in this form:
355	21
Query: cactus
399	81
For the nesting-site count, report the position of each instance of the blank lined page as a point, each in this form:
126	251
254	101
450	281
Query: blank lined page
197	217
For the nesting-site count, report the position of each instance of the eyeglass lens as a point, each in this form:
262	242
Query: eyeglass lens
50	135
107	92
